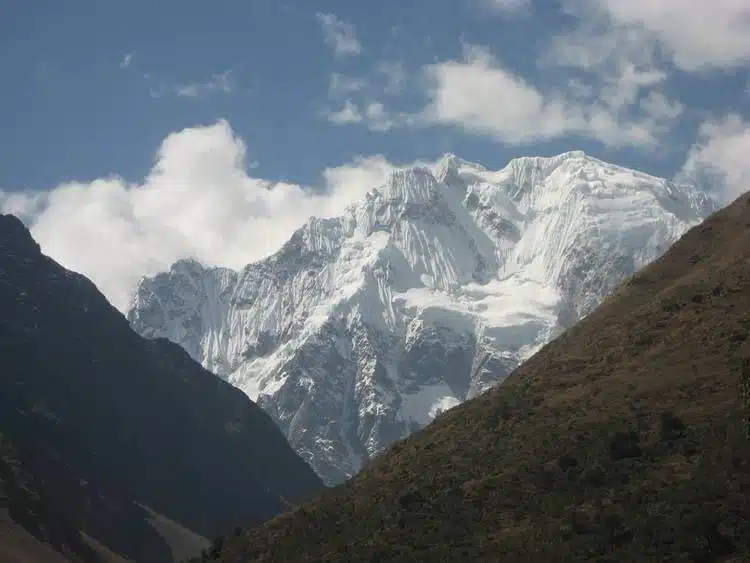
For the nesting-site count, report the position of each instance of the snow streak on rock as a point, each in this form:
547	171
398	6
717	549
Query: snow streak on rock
364	327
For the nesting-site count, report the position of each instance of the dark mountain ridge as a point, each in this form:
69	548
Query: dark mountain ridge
625	439
118	427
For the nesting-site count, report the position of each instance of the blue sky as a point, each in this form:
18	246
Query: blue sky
327	96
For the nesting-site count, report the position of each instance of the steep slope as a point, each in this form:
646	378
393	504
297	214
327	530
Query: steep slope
429	291
121	429
625	439
32	530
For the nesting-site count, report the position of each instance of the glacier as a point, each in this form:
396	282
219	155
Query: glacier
363	328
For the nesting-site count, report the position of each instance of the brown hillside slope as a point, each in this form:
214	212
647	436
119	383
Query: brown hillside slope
622	440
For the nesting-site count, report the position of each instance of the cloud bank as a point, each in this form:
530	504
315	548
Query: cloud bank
695	35
719	159
198	201
477	95
616	60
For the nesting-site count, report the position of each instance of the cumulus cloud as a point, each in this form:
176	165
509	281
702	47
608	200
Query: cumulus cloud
197	201
355	98
379	117
614	66
719	159
693	36
346	115
616	97
374	115
696	35
479	96
618	66
360	176
340	35
658	107
618	63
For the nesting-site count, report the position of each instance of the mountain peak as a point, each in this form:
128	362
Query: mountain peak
419	173
450	167
15	235
451	160
188	266
625	439
425	293
8	222
549	163
572	154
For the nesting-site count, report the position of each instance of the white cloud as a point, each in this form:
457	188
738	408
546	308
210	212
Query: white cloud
579	90
719	159
696	34
479	96
220	82
126	60
346	115
374	115
198	201
340	35
395	76
617	63
508	6
612	91
657	106
342	85
359	176
378	117
358	95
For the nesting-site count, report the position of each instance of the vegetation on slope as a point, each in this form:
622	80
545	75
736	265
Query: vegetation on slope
626	439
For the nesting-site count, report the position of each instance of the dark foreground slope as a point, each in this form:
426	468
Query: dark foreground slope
131	439
32	529
622	440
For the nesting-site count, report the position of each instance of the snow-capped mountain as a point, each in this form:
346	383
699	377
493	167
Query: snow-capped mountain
362	328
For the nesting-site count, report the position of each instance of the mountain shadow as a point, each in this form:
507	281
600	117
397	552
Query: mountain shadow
624	439
32	528
137	446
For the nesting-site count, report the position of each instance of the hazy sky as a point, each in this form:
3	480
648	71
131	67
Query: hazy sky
135	133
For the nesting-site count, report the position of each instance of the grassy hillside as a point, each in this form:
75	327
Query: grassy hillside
623	440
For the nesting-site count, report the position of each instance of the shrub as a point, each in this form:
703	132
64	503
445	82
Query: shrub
567	461
624	445
671	427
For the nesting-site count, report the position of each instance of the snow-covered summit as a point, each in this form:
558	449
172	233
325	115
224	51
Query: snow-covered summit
429	290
